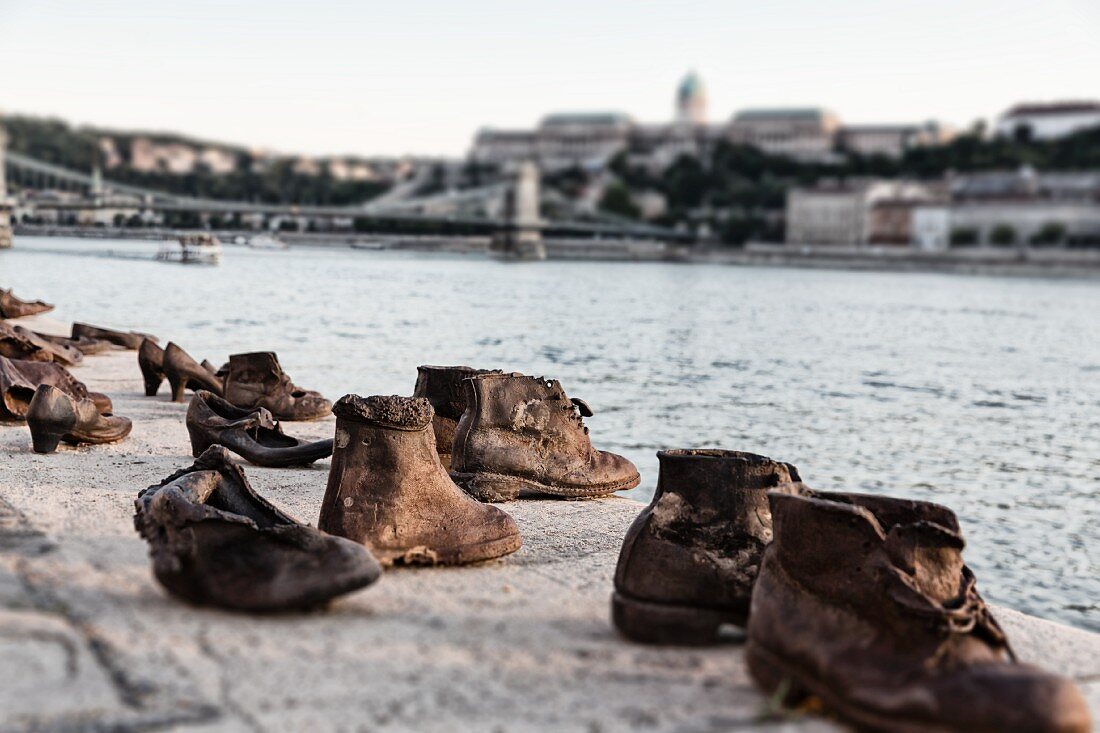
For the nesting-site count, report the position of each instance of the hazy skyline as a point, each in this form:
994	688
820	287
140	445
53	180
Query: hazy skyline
422	76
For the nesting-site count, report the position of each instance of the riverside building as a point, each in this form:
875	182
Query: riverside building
590	140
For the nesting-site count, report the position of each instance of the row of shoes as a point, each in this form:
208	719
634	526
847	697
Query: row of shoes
389	491
252	380
860	603
37	388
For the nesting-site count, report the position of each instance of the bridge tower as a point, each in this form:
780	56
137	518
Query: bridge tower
521	237
5	204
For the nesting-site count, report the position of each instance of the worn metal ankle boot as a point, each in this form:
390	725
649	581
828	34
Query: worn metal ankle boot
442	387
54	416
690	559
388	490
522	436
216	542
257	380
864	603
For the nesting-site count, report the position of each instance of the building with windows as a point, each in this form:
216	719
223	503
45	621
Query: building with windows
805	133
590	140
1013	208
891	140
855	213
1049	121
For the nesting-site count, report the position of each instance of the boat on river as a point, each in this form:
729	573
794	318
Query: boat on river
266	242
192	249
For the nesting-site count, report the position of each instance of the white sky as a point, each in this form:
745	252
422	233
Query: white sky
420	76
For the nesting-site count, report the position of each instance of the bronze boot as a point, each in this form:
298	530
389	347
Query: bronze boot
126	339
256	380
388	490
54	416
522	435
13	307
183	372
252	434
864	603
442	386
20	379
690	559
216	542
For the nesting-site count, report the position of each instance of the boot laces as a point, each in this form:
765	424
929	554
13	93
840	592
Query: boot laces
577	408
969	614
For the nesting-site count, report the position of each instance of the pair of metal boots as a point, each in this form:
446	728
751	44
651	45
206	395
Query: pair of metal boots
862	602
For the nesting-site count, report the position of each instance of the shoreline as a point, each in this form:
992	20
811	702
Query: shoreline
520	643
986	261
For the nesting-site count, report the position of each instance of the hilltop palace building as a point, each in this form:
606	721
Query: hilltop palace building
590	139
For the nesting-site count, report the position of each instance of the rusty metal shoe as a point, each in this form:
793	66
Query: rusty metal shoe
252	434
126	339
17	342
689	561
442	386
215	542
54	416
256	380
20	379
13	307
83	344
864	603
151	362
522	436
182	372
388	490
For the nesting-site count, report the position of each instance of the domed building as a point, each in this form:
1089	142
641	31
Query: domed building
691	100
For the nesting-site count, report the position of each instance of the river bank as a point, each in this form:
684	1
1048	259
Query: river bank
89	641
995	261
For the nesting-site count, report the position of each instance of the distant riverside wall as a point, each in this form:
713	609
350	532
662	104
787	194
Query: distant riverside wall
1053	262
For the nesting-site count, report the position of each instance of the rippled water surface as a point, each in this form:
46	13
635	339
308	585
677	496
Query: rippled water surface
979	393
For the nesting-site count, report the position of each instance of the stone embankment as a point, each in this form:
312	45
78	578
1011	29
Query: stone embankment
89	641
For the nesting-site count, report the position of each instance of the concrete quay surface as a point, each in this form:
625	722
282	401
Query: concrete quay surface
89	640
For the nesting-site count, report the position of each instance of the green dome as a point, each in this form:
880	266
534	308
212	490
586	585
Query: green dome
691	86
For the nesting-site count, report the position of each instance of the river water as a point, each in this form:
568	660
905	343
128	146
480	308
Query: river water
979	393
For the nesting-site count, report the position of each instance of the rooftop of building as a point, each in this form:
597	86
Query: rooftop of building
1033	109
587	119
780	113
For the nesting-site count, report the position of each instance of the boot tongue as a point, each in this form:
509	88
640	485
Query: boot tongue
931	555
582	407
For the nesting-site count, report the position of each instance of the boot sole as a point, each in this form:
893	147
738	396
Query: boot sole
776	678
498	487
464	555
666	623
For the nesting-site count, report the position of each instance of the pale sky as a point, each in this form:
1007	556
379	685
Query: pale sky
421	76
